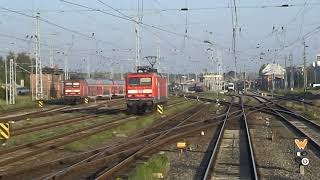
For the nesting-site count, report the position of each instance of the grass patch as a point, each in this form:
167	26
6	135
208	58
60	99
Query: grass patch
156	164
123	130
21	102
310	112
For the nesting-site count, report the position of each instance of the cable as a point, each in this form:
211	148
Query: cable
128	19
56	25
146	28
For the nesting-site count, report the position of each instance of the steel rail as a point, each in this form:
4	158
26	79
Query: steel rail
218	140
254	174
312	141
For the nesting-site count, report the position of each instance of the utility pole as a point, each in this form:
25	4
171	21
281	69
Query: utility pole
6	74
305	73
273	84
39	87
66	67
51	57
12	82
88	66
30	37
291	72
285	73
137	31
158	51
244	80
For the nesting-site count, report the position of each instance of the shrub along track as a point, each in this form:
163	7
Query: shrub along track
31	150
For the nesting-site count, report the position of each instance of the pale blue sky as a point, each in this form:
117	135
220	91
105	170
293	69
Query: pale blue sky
204	16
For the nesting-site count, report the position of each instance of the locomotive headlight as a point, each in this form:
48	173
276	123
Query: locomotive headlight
147	91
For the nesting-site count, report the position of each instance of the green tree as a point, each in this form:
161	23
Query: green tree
23	61
2	70
261	68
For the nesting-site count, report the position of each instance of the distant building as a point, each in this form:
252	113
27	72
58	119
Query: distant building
231	76
52	81
273	70
213	82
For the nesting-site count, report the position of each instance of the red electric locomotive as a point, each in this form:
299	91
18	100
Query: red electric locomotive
145	89
75	90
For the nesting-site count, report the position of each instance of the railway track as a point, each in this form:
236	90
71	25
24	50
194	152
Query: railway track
57	141
35	114
83	117
54	110
230	151
300	125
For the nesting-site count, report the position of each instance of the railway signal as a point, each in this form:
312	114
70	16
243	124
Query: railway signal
301	153
160	109
4	131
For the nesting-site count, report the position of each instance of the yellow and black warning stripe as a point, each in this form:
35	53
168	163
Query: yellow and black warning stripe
86	100
40	103
4	130
160	109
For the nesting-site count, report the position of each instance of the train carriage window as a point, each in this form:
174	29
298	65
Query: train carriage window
140	81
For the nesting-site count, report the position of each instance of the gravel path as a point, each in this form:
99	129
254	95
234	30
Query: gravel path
275	155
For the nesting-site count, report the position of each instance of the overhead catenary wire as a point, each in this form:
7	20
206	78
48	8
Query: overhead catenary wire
56	25
174	9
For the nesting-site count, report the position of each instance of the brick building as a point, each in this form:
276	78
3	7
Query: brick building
52	80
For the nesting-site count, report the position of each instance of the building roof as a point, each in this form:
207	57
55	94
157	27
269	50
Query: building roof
48	70
275	69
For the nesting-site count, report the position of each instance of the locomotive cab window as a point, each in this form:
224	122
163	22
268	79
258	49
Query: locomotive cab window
76	84
140	81
68	84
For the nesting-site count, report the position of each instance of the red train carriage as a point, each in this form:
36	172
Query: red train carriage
145	89
99	88
118	89
75	90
